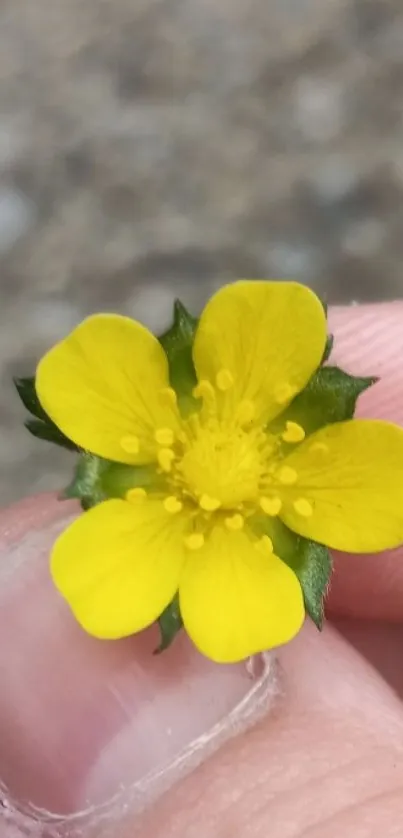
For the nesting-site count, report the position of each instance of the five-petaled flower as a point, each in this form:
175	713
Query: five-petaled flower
224	475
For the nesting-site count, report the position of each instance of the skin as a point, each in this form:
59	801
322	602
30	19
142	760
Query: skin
325	761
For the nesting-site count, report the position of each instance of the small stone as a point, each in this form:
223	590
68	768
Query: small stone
319	109
17	214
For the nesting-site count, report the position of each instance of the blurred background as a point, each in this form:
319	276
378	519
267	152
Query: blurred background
157	148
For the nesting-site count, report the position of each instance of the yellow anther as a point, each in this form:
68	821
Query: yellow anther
165	458
173	504
303	507
136	494
234	522
164	436
204	390
284	393
224	380
293	432
209	504
130	444
287	476
319	448
246	412
194	541
271	506
266	544
168	396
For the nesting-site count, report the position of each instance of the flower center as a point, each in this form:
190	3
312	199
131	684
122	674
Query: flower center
224	463
220	458
221	467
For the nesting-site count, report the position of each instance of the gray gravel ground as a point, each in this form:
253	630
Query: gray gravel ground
153	149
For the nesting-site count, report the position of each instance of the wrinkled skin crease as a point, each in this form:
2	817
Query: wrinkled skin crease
28	819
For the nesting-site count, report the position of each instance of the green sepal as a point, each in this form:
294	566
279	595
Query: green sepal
41	426
49	432
177	343
26	390
310	561
170	623
312	565
330	396
96	480
328	348
330	339
86	485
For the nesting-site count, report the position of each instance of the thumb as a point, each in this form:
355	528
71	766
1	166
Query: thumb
108	728
325	762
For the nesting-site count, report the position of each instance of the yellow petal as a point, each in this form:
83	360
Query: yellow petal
102	387
118	565
265	338
237	599
349	491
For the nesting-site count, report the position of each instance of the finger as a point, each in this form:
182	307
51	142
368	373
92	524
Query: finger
67	699
380	643
326	762
369	341
85	721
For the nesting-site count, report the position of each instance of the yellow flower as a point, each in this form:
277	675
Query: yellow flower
224	476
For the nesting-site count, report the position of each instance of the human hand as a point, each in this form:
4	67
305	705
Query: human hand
82	719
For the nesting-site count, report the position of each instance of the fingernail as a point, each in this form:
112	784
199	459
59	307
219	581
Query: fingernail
87	723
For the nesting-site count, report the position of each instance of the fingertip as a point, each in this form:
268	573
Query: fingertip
367	586
32	514
369	342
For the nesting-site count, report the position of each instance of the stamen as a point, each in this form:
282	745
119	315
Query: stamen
224	380
169	397
193	423
204	390
136	494
209	504
130	444
287	476
164	436
284	393
266	544
234	522
303	507
293	432
271	506
194	541
319	448
173	504
246	412
165	458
